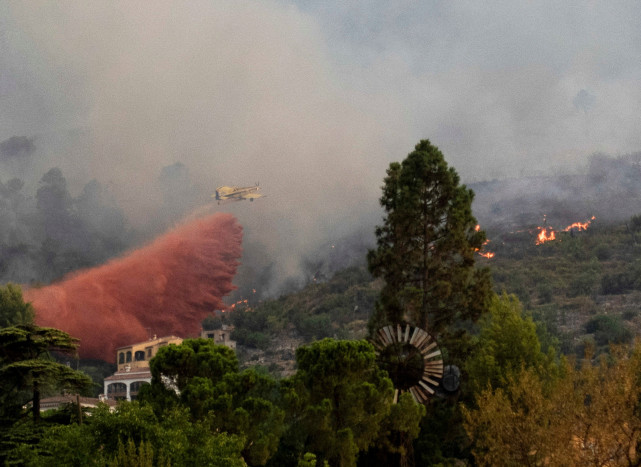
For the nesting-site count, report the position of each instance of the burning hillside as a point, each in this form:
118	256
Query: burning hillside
482	251
547	234
164	288
539	235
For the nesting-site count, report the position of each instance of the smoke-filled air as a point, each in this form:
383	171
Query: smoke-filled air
165	288
118	120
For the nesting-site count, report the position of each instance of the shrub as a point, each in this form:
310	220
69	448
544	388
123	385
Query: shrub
603	252
616	283
583	283
315	327
608	330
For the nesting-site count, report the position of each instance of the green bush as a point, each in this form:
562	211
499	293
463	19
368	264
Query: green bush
603	252
608	329
622	281
616	283
583	283
248	338
212	322
545	292
315	327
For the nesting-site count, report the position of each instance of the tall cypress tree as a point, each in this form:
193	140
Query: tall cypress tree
425	248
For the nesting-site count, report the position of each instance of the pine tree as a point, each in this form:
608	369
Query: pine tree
26	365
426	246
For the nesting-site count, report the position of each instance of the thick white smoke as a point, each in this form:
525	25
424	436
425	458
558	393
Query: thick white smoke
311	99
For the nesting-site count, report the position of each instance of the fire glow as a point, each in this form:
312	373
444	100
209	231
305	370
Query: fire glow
544	236
579	225
165	288
239	303
547	234
487	254
484	254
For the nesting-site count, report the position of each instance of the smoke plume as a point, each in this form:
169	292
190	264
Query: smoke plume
164	288
312	99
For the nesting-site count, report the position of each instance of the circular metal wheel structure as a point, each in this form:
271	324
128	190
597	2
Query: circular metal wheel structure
412	358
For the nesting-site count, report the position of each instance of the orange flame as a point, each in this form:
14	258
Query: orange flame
543	236
579	225
239	302
487	254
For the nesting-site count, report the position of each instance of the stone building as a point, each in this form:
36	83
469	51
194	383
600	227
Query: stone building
220	336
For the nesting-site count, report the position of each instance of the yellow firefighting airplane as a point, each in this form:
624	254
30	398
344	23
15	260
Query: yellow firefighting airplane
235	193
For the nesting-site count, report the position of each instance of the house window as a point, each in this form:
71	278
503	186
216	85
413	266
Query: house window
139	355
128	356
121	358
117	390
148	352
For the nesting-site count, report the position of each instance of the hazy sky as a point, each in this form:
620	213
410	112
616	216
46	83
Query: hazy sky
314	99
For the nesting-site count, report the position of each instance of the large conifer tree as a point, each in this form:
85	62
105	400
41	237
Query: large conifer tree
426	246
25	364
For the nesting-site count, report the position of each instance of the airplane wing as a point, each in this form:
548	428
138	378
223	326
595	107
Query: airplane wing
252	195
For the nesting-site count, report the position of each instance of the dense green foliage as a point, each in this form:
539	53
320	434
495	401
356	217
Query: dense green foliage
344	397
426	246
201	410
26	368
506	344
132	435
13	310
568	282
204	379
520	403
338	307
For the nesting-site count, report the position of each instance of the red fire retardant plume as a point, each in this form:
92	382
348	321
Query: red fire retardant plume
165	288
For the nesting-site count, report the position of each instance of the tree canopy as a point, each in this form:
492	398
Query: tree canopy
204	379
13	309
586	415
506	344
26	364
338	399
426	245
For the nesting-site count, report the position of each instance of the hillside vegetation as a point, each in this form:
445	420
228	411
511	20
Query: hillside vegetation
583	288
269	332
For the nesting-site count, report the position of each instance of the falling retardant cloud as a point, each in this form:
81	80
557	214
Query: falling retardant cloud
165	288
238	92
